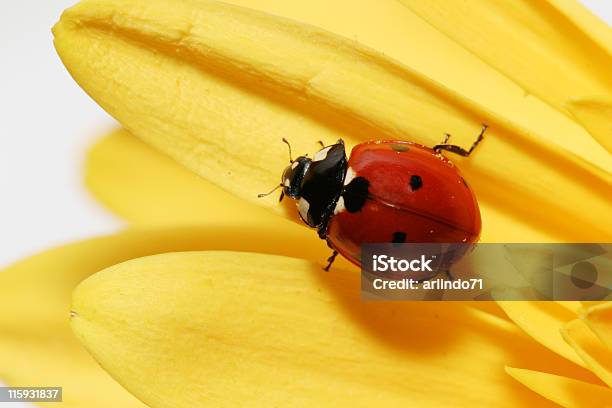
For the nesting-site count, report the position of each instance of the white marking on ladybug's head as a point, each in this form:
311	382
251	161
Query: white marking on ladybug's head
287	183
294	165
339	206
350	175
303	207
321	154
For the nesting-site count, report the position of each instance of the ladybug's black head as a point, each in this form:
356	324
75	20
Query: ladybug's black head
293	176
316	183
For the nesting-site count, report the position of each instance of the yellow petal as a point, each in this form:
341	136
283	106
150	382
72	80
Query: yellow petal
222	328
147	187
595	114
36	344
542	321
592	351
174	77
566	392
399	33
58	271
599	319
536	44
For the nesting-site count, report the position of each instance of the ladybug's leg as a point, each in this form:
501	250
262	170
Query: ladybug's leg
331	260
458	149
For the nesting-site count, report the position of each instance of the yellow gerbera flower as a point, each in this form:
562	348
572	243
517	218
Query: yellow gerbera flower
249	317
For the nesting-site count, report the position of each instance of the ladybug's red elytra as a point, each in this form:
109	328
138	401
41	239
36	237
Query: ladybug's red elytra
387	191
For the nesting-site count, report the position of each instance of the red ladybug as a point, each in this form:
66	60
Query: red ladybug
388	191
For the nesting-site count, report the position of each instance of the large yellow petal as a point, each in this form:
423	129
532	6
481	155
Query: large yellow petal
222	328
59	270
566	392
592	351
555	49
36	344
543	322
219	104
399	33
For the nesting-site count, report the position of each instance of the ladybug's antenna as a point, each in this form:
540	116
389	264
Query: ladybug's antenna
289	146
271	191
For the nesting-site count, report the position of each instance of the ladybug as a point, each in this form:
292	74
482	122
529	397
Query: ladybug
386	192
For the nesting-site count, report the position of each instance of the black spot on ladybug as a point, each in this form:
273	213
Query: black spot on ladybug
398	237
399	147
415	182
355	194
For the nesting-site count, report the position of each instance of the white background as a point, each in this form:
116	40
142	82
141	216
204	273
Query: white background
46	123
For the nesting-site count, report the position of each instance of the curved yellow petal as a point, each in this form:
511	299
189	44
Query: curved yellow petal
595	114
36	344
599	319
555	50
542	321
146	187
592	351
57	271
539	45
228	99
399	33
222	328
566	392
